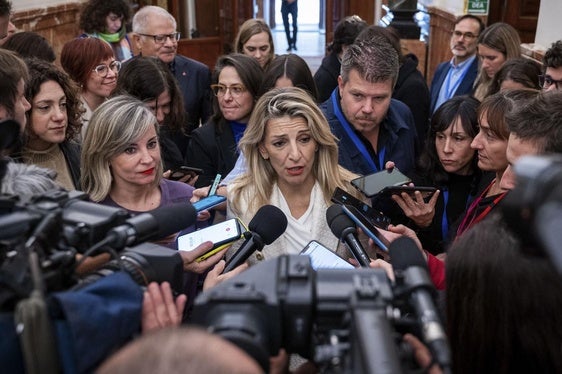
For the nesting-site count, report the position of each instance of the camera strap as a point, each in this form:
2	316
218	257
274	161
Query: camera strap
37	340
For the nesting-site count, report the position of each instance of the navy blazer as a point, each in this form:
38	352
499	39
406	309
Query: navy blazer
398	136
194	80
465	88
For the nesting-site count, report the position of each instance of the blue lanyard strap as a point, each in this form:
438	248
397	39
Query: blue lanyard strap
355	139
444	218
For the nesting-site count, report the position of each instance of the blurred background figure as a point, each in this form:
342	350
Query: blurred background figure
255	40
290	7
7	28
31	44
498	43
91	64
552	67
149	80
107	20
516	73
326	77
53	123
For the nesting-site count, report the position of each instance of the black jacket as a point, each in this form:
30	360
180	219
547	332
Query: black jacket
326	77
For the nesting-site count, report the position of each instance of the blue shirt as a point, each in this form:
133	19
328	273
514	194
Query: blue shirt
452	81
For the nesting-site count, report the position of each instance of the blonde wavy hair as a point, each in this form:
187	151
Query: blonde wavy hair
256	185
116	124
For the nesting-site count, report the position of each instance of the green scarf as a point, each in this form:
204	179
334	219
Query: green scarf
113	38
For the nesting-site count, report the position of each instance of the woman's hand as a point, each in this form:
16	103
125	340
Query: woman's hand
215	277
190	258
417	209
189	178
159	308
394	232
422	355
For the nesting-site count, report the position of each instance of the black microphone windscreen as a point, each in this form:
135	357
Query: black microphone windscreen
269	222
404	253
173	218
337	220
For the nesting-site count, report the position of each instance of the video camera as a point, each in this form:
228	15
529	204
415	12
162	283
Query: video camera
348	321
58	226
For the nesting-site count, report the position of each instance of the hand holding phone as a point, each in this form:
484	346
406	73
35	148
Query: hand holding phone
183	171
417	208
222	235
372	184
376	218
208	202
370	230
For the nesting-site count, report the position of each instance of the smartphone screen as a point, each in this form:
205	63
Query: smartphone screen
221	233
323	258
208	202
376	218
369	230
372	184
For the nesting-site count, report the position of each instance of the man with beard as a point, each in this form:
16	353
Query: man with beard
456	77
372	128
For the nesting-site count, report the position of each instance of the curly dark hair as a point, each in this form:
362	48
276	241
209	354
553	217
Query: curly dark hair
553	56
92	18
41	71
5	8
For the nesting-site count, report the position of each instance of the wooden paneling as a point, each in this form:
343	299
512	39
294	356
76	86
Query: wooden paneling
441	26
521	14
205	50
338	9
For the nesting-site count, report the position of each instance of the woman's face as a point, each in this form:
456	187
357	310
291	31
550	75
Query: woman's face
113	23
491	149
234	106
492	60
49	118
453	149
137	165
160	107
102	83
259	48
291	150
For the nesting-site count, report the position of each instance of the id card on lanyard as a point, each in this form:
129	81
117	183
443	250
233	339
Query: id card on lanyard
355	139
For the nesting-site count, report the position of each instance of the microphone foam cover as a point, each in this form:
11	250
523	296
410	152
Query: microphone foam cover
404	253
269	223
338	220
173	218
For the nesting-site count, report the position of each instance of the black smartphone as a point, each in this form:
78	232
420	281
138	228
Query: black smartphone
410	190
208	202
372	184
323	258
370	230
376	218
182	171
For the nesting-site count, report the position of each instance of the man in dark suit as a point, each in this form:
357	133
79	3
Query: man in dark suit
456	77
155	35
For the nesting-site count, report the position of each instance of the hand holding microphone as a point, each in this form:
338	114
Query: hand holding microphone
267	225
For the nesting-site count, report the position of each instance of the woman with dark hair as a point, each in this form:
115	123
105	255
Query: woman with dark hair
53	123
91	64
449	164
214	146
254	39
150	80
503	304
326	77
517	73
30	44
107	20
289	71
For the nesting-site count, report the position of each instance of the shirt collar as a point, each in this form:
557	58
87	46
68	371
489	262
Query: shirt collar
462	64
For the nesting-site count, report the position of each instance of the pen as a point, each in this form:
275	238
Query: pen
214	186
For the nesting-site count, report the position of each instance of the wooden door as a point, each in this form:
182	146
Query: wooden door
521	14
338	9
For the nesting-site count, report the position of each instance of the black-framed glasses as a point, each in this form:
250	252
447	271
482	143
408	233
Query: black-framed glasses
161	39
102	69
466	35
235	90
546	81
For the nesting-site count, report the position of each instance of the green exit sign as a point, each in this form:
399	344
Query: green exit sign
477	7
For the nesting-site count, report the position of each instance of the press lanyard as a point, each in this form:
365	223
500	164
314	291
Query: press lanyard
353	136
469	219
444	218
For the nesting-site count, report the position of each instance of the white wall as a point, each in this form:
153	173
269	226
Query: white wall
548	28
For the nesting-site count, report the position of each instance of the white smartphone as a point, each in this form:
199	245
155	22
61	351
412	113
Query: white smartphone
220	234
323	258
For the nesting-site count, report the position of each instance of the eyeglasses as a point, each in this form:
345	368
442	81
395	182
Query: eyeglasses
161	39
466	35
102	69
235	90
546	81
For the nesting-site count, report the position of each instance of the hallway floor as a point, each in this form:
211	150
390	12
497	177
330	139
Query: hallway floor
310	44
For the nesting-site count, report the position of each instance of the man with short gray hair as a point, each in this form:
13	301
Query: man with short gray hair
372	128
155	34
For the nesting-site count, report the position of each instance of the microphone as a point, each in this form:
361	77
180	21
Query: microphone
409	265
344	228
156	224
267	225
